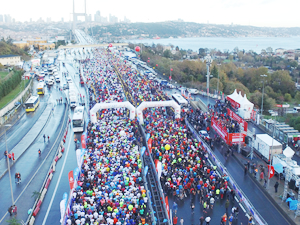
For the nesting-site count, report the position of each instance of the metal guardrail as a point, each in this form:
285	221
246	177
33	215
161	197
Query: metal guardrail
158	184
240	194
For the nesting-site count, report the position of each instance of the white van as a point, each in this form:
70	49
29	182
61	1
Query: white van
73	101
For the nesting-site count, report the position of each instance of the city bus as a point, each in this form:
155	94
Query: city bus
296	110
78	119
32	103
41	88
181	101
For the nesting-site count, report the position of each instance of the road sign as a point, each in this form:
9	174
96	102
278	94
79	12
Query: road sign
272	171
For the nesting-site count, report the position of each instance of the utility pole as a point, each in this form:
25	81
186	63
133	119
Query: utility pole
218	80
8	166
240	138
271	157
263	91
208	60
287	179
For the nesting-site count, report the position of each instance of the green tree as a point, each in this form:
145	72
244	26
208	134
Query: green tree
287	97
282	81
213	84
294	63
297	96
167	53
214	71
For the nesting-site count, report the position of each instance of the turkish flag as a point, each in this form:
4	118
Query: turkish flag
272	171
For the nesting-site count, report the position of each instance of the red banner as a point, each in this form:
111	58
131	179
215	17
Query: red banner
83	143
237	118
150	145
233	103
167	206
229	138
253	115
71	179
220	130
234	138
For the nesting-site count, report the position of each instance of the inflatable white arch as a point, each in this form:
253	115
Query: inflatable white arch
143	105
110	105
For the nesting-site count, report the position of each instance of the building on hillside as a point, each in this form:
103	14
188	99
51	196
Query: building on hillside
36	42
279	51
45	46
21	44
10	60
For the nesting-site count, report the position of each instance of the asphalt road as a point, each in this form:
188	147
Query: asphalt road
31	166
50	212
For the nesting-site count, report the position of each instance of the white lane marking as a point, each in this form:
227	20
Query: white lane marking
236	199
57	183
242	207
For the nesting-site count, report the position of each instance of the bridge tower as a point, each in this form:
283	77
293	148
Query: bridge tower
79	14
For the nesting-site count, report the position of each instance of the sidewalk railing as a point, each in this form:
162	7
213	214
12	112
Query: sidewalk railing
222	169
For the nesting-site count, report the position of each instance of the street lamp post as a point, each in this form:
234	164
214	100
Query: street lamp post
218	80
208	60
11	190
271	156
263	91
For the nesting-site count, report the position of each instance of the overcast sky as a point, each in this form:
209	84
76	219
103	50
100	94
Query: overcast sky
274	13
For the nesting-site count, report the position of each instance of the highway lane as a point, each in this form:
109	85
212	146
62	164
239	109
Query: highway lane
50	211
27	166
22	126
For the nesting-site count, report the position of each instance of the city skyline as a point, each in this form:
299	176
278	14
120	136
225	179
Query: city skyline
261	13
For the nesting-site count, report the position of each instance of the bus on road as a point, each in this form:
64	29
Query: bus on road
78	119
41	88
181	101
32	103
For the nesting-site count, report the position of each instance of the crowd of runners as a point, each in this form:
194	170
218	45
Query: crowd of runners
111	189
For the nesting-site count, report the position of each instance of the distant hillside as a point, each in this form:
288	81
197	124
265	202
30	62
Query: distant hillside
187	29
7	48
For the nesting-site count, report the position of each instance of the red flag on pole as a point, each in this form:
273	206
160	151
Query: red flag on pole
271	172
71	179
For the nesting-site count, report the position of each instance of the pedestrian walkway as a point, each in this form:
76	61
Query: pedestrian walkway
270	192
27	140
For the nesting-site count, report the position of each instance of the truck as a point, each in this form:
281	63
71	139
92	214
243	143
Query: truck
266	146
286	162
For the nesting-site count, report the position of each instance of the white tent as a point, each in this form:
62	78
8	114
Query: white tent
244	106
233	96
241	100
247	104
